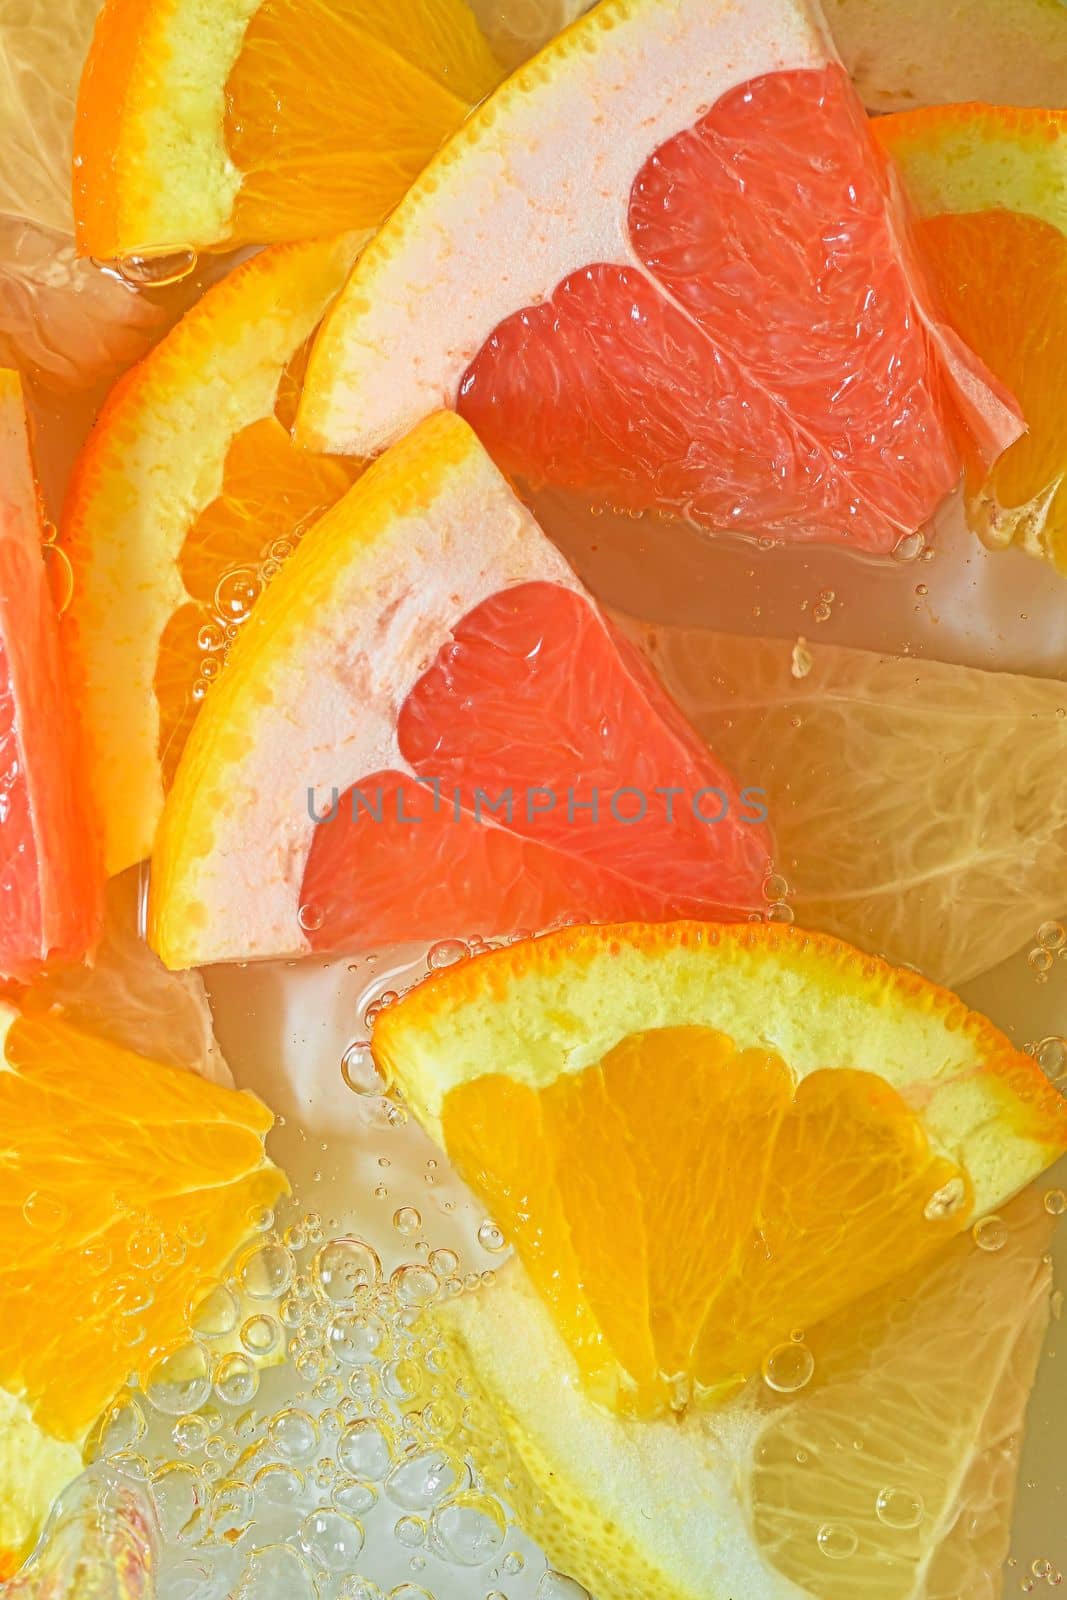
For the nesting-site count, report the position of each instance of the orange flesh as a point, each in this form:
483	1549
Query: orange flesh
127	1187
1002	278
421	65
679	1235
271	494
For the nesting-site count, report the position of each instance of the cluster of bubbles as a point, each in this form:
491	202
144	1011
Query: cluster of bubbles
311	1428
1040	1572
236	592
1050	942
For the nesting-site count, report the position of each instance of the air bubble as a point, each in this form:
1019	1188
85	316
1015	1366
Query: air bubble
294	1435
444	1263
410	1532
837	1540
45	1213
345	1269
179	1382
407	1221
354	1497
153	272
469	1530
355	1339
1055	1202
236	593
446	953
266	1271
236	1380
788	1368
276	1572
422	1481
554	1586
990	1234
414	1285
261	1335
899	1508
909	548
178	1493
1051	936
946	1201
189	1434
360	1070
491	1238
1051	1054
332	1539
364	1450
215	1314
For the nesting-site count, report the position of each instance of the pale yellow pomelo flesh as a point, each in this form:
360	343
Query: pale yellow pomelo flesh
889	1475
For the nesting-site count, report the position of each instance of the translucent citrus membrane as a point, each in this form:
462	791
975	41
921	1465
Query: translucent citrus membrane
496	715
127	1187
683	1207
1002	278
271	493
333	109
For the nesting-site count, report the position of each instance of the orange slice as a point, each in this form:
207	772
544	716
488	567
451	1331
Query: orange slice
263	119
185	500
664	265
126	1192
50	879
990	184
389	758
701	1138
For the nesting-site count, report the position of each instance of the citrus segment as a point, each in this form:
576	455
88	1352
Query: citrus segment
382	759
929	846
990	182
177	503
738	1130
270	120
726	322
906	1436
121	1167
826	1193
49	868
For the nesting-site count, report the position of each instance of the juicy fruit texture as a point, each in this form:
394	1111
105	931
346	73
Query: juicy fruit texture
819	1121
422	707
186	496
928	848
49	872
907	53
678	333
36	1468
906	1439
990	184
269	120
121	1167
791	1200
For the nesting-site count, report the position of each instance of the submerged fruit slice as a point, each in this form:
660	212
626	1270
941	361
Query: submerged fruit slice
128	1186
923	845
186	497
991	184
49	867
674	276
888	1475
264	119
429	730
701	1138
907	53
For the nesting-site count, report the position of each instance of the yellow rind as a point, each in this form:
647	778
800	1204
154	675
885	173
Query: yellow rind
154	460
559	1003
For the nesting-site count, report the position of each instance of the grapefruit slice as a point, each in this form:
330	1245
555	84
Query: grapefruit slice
428	678
185	498
701	1138
664	264
991	186
263	120
50	881
889	1475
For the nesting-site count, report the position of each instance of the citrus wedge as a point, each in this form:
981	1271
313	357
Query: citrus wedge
663	264
887	1475
387	759
991	185
700	1138
908	53
49	865
264	119
128	1186
897	827
185	498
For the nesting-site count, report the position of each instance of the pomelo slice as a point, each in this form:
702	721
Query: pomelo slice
700	1138
904	1440
428	675
50	879
263	120
129	1187
991	185
896	828
664	264
908	53
182	502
